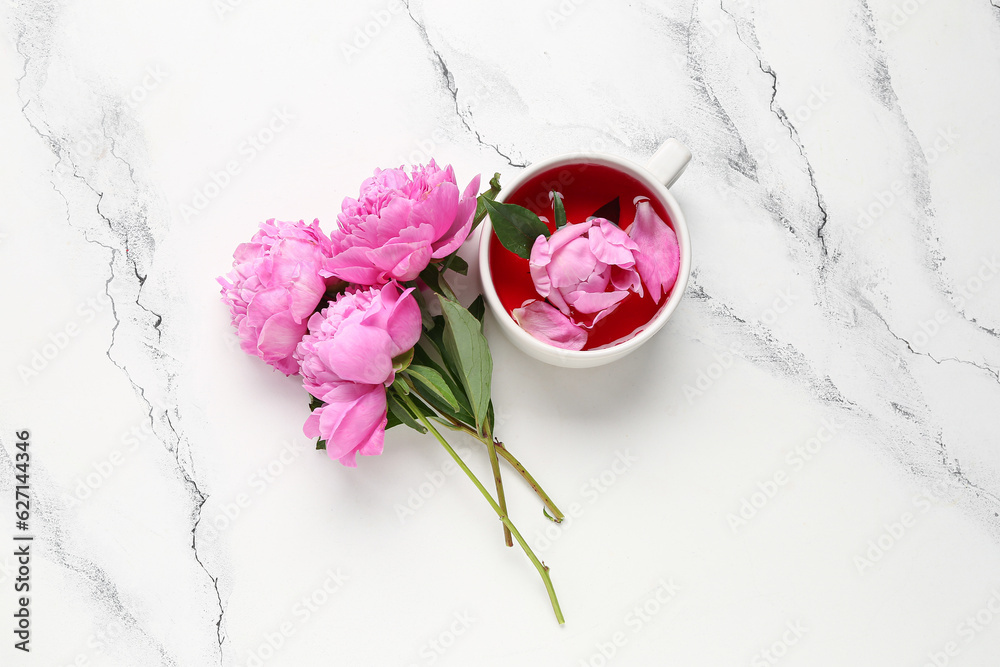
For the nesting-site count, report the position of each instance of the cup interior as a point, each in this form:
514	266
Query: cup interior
563	173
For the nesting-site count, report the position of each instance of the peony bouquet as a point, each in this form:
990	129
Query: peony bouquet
366	317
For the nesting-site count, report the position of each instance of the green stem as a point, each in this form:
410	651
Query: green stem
504	452
557	515
542	569
494	464
501	500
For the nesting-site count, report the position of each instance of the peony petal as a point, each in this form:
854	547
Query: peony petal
354	419
401	261
306	292
573	263
352	265
437	209
568	233
591	302
358	353
277	340
658	257
538	262
611	245
402	319
394	217
373	446
626	279
550	326
311	427
266	303
460	227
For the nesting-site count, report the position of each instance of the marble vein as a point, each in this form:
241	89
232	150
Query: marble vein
920	179
744	162
954	467
909	346
49	511
783	357
793	133
452	87
130	243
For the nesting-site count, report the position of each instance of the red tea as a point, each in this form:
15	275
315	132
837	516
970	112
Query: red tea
588	190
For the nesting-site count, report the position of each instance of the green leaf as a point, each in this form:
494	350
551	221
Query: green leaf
456	264
490	194
315	404
432	278
464	413
516	227
550	517
425	318
422	354
428	379
466	345
399	384
401	362
436	336
402	413
559	209
478	309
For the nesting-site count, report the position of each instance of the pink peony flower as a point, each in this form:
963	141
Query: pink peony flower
274	287
346	362
658	257
585	269
399	223
548	325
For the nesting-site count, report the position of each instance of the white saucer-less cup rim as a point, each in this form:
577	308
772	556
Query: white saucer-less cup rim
662	170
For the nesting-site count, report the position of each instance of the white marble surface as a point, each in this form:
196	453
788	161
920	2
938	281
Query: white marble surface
181	517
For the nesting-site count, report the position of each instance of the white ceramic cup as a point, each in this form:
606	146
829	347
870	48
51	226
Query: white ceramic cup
666	165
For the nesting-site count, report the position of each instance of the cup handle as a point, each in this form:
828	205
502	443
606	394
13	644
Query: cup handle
669	161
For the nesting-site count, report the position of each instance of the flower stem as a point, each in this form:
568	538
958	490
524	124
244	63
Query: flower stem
504	452
543	570
501	500
495	465
557	515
